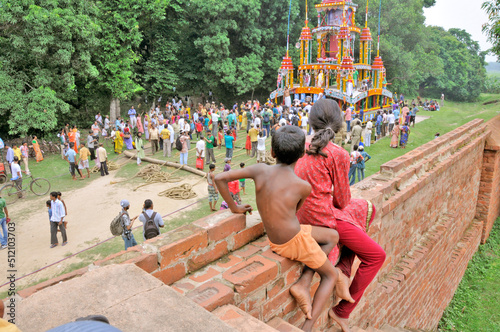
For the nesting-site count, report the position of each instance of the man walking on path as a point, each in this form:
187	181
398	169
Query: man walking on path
57	220
357	130
103	159
4	220
210	147
151	221
127	225
254	134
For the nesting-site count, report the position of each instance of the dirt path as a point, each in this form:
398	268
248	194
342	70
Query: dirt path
90	211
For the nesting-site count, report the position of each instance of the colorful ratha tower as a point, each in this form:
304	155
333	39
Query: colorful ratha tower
328	64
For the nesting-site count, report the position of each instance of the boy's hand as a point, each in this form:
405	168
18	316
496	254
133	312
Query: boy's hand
242	209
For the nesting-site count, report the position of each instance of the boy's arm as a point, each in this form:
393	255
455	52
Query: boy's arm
222	180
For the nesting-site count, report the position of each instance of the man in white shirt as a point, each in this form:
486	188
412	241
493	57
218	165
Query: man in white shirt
257	122
304	123
17	175
57	220
392	119
261	148
215	122
172	135
200	150
182	121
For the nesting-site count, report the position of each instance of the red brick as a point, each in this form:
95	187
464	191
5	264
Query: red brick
220	229
171	274
251	274
274	288
205	275
262	242
248	235
274	305
183	286
212	295
183	247
293	274
147	262
197	261
228	261
246	251
284	263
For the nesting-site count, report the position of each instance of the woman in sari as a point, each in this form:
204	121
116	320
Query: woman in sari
72	139
36	147
395	136
127	139
326	167
140	128
405	134
146	126
118	141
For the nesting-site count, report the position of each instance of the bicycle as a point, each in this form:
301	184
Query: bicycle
11	193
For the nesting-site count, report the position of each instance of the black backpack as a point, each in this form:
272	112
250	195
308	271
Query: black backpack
215	142
178	144
150	229
295	120
266	117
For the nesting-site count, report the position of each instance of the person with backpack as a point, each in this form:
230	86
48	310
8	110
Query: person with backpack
127	225
151	221
266	122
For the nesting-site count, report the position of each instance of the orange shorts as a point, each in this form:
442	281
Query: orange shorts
302	248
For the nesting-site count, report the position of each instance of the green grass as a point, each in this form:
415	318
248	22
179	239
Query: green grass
476	304
451	116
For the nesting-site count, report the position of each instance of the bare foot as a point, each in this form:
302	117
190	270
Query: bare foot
342	287
303	298
343	322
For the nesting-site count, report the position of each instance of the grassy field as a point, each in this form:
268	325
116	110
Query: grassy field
451	116
476	304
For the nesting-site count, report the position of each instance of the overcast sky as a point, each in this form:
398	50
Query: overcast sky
462	14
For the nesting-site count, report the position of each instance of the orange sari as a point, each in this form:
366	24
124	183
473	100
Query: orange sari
38	152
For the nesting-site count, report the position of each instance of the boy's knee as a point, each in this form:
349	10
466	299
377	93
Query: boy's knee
333	236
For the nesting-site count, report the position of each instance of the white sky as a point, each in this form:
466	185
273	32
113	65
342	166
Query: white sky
462	14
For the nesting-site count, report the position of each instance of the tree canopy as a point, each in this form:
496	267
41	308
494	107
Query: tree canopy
63	60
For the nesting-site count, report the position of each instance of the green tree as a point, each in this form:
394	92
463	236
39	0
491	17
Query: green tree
492	28
45	50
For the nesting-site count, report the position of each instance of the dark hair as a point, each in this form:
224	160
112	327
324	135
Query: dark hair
242	165
212	166
148	204
326	120
288	144
48	202
355	147
53	194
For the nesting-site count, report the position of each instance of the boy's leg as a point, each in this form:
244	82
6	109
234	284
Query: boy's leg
329	276
327	239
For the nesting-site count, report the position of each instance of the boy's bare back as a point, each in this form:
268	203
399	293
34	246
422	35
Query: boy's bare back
279	194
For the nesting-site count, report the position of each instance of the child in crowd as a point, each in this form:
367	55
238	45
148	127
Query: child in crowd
242	181
361	166
213	194
233	132
221	138
199	129
280	193
49	209
248	144
226	126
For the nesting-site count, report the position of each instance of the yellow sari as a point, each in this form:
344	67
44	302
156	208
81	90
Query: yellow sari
118	142
38	152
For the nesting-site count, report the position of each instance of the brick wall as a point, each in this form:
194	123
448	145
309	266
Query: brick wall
488	204
433	211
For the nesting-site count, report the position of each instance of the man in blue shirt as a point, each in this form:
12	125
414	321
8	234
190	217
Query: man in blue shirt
229	144
378	124
132	116
231	119
70	157
9	157
413	115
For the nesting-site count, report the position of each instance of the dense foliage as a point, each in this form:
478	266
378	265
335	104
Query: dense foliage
492	28
64	60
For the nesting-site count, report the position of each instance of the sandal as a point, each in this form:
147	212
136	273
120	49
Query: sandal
53	245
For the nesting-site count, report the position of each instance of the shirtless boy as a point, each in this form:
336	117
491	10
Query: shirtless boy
280	193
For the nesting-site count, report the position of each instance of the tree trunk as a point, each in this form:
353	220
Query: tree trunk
112	111
117	107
